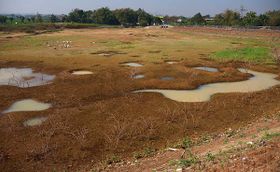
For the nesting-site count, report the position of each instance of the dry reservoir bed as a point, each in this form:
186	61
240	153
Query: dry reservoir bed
69	108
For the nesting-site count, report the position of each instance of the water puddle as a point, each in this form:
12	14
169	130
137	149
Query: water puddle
132	64
104	54
34	121
27	105
167	78
138	76
82	72
208	69
171	62
23	77
260	81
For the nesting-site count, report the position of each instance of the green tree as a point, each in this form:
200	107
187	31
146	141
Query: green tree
77	15
104	16
219	19
274	18
263	18
3	19
251	19
64	18
126	16
38	18
231	18
21	18
144	18
157	20
53	18
197	19
33	19
88	16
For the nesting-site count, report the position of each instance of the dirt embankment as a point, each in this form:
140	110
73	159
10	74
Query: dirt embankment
254	147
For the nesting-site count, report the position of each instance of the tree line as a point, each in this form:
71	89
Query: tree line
232	18
130	17
124	16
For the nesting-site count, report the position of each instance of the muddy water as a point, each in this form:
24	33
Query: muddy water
208	69
132	64
27	105
23	77
34	121
260	81
82	72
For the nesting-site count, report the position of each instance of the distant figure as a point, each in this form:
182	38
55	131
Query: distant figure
164	26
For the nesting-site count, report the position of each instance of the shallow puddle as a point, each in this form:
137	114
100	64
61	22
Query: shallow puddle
34	121
208	69
260	81
82	72
132	64
104	54
23	77
138	76
27	105
171	62
167	78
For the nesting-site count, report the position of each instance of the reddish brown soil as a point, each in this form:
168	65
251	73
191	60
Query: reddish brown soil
234	155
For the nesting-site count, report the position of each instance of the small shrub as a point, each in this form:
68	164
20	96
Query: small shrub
113	159
226	141
146	153
203	139
210	156
187	143
185	162
269	136
137	155
241	135
149	152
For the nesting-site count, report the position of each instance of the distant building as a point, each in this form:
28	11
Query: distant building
209	19
179	20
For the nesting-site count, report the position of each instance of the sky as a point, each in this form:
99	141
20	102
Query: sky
157	7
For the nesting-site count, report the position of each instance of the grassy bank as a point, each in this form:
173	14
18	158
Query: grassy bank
251	54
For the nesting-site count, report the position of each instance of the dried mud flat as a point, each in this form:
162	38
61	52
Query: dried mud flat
96	120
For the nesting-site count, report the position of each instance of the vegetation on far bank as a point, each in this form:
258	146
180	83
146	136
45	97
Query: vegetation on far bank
127	17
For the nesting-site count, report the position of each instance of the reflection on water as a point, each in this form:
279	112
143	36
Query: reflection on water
208	69
260	81
138	76
133	64
23	77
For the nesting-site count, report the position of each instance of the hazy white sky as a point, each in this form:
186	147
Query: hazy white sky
163	7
